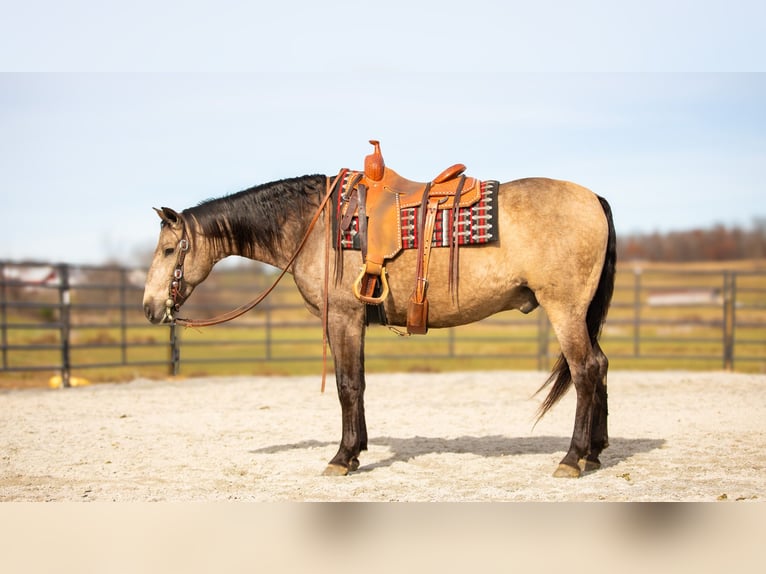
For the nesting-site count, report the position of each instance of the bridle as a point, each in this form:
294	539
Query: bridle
176	298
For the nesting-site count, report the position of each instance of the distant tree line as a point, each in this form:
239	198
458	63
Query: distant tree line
719	243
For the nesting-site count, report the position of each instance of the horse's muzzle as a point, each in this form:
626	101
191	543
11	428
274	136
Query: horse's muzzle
155	316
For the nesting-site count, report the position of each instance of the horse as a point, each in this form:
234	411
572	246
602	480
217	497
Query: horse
556	249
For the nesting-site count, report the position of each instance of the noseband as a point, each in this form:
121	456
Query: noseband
176	297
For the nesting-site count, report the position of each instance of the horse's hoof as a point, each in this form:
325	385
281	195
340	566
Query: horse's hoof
335	470
589	465
566	471
353	464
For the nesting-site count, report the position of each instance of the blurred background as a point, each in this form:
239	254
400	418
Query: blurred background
659	108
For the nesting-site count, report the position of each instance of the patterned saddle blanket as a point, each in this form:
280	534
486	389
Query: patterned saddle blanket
475	223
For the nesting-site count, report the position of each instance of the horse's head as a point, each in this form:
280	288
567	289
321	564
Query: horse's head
178	266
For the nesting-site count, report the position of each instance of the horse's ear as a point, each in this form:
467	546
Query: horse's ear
169	216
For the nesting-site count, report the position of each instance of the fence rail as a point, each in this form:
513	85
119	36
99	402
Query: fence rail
65	319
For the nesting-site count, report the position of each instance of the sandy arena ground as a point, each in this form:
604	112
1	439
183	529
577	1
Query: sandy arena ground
675	436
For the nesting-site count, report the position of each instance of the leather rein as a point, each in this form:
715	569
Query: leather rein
175	291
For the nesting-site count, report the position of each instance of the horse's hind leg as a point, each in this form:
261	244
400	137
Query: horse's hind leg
346	335
599	437
584	368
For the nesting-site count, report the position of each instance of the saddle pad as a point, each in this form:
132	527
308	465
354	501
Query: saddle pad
477	224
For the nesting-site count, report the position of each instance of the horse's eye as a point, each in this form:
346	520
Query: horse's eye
169	251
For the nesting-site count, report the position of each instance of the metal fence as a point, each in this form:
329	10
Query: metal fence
63	319
76	321
712	318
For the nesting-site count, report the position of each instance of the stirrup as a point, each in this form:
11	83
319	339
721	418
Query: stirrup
356	287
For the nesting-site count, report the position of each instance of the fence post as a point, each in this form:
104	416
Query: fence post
729	297
175	351
267	345
64	319
3	318
124	315
637	312
543	334
733	315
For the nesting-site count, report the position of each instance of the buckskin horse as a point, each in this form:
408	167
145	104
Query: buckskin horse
556	248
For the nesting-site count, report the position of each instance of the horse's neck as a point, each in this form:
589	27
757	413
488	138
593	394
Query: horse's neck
220	250
279	258
293	229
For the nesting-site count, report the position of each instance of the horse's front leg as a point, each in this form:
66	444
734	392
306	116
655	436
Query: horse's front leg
346	335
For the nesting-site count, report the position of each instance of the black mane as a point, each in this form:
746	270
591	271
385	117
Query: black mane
256	215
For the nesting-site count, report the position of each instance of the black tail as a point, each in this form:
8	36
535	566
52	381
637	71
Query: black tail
599	306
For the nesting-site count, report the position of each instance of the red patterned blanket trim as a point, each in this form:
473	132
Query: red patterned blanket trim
476	224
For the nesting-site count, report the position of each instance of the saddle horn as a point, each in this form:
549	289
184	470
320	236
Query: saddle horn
374	166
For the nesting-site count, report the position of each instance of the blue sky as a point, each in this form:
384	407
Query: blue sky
110	120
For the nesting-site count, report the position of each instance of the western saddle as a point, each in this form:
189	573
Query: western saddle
376	197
